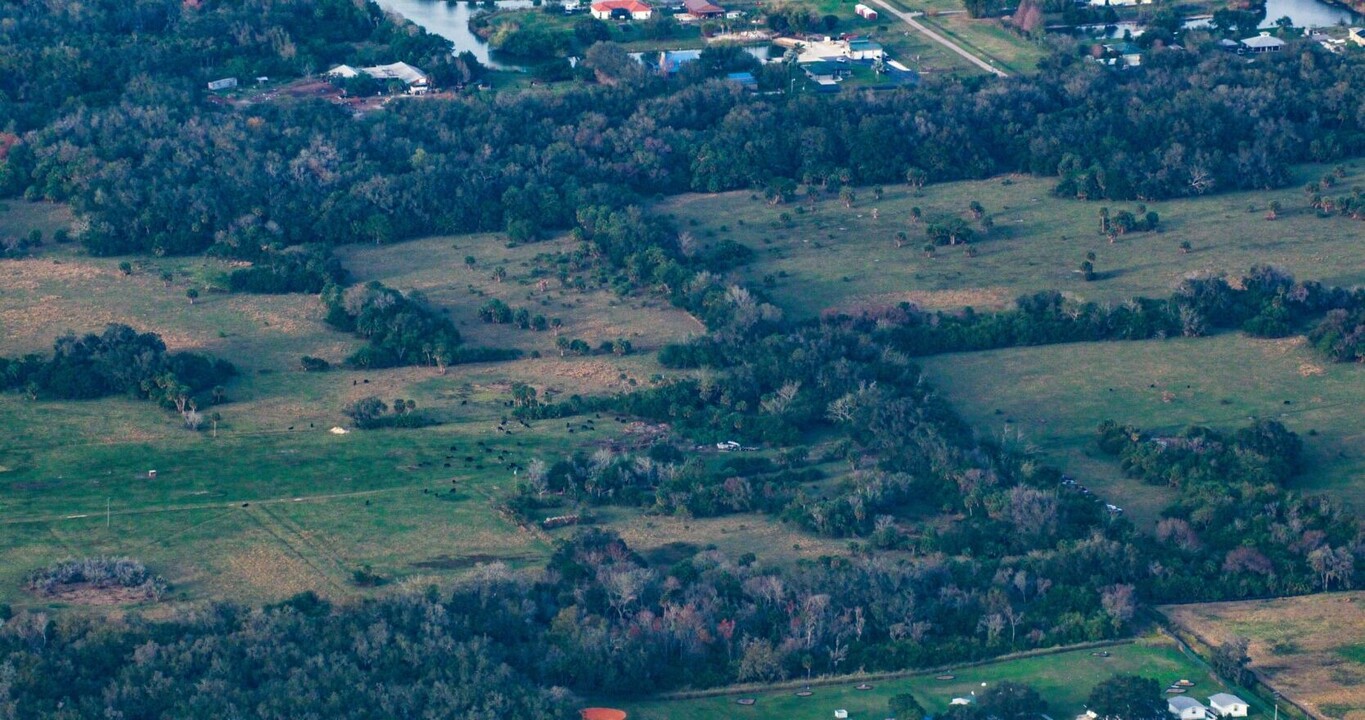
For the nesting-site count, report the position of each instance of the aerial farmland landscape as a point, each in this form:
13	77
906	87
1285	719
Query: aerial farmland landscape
693	360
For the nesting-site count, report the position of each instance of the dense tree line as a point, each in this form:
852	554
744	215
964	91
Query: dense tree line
56	61
408	656
119	361
306	269
1266	302
1234	518
400	329
146	167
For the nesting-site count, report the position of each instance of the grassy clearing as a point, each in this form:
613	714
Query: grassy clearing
437	267
989	39
1053	398
367	498
19	217
1064	680
1308	648
665	540
844	257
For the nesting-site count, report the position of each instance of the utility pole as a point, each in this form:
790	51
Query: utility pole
107	518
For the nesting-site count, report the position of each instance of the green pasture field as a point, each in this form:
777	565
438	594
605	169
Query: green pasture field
74	475
838	257
1063	679
1052	398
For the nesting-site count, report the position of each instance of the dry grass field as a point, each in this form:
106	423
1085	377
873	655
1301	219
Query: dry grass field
1052	398
437	267
838	257
276	504
1311	649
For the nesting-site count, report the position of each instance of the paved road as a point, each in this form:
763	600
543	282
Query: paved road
945	42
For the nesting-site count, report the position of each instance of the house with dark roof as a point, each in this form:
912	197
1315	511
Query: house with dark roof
702	9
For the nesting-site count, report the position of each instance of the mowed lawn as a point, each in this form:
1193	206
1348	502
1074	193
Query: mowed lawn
1310	648
838	257
1052	398
1064	680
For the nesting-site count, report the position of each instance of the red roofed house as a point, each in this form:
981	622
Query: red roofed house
633	9
703	8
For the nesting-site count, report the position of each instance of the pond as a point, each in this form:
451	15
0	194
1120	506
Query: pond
1304	13
450	20
1307	13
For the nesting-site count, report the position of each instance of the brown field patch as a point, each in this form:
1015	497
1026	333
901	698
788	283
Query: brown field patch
1311	648
272	572
29	275
1309	369
86	594
734	535
996	298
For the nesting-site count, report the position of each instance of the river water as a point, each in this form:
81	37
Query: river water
451	21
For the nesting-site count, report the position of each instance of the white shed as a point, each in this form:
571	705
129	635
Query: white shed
1226	705
1187	708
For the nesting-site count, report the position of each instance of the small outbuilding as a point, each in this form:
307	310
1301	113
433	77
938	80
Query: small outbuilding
224	84
1227	705
865	12
1187	708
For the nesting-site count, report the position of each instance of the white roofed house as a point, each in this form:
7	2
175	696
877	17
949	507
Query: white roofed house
1225	705
1187	708
1263	43
416	81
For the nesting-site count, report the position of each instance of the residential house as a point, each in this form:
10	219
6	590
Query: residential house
702	9
1263	43
825	73
1357	36
416	81
1226	705
865	12
856	49
1187	708
622	10
1125	53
